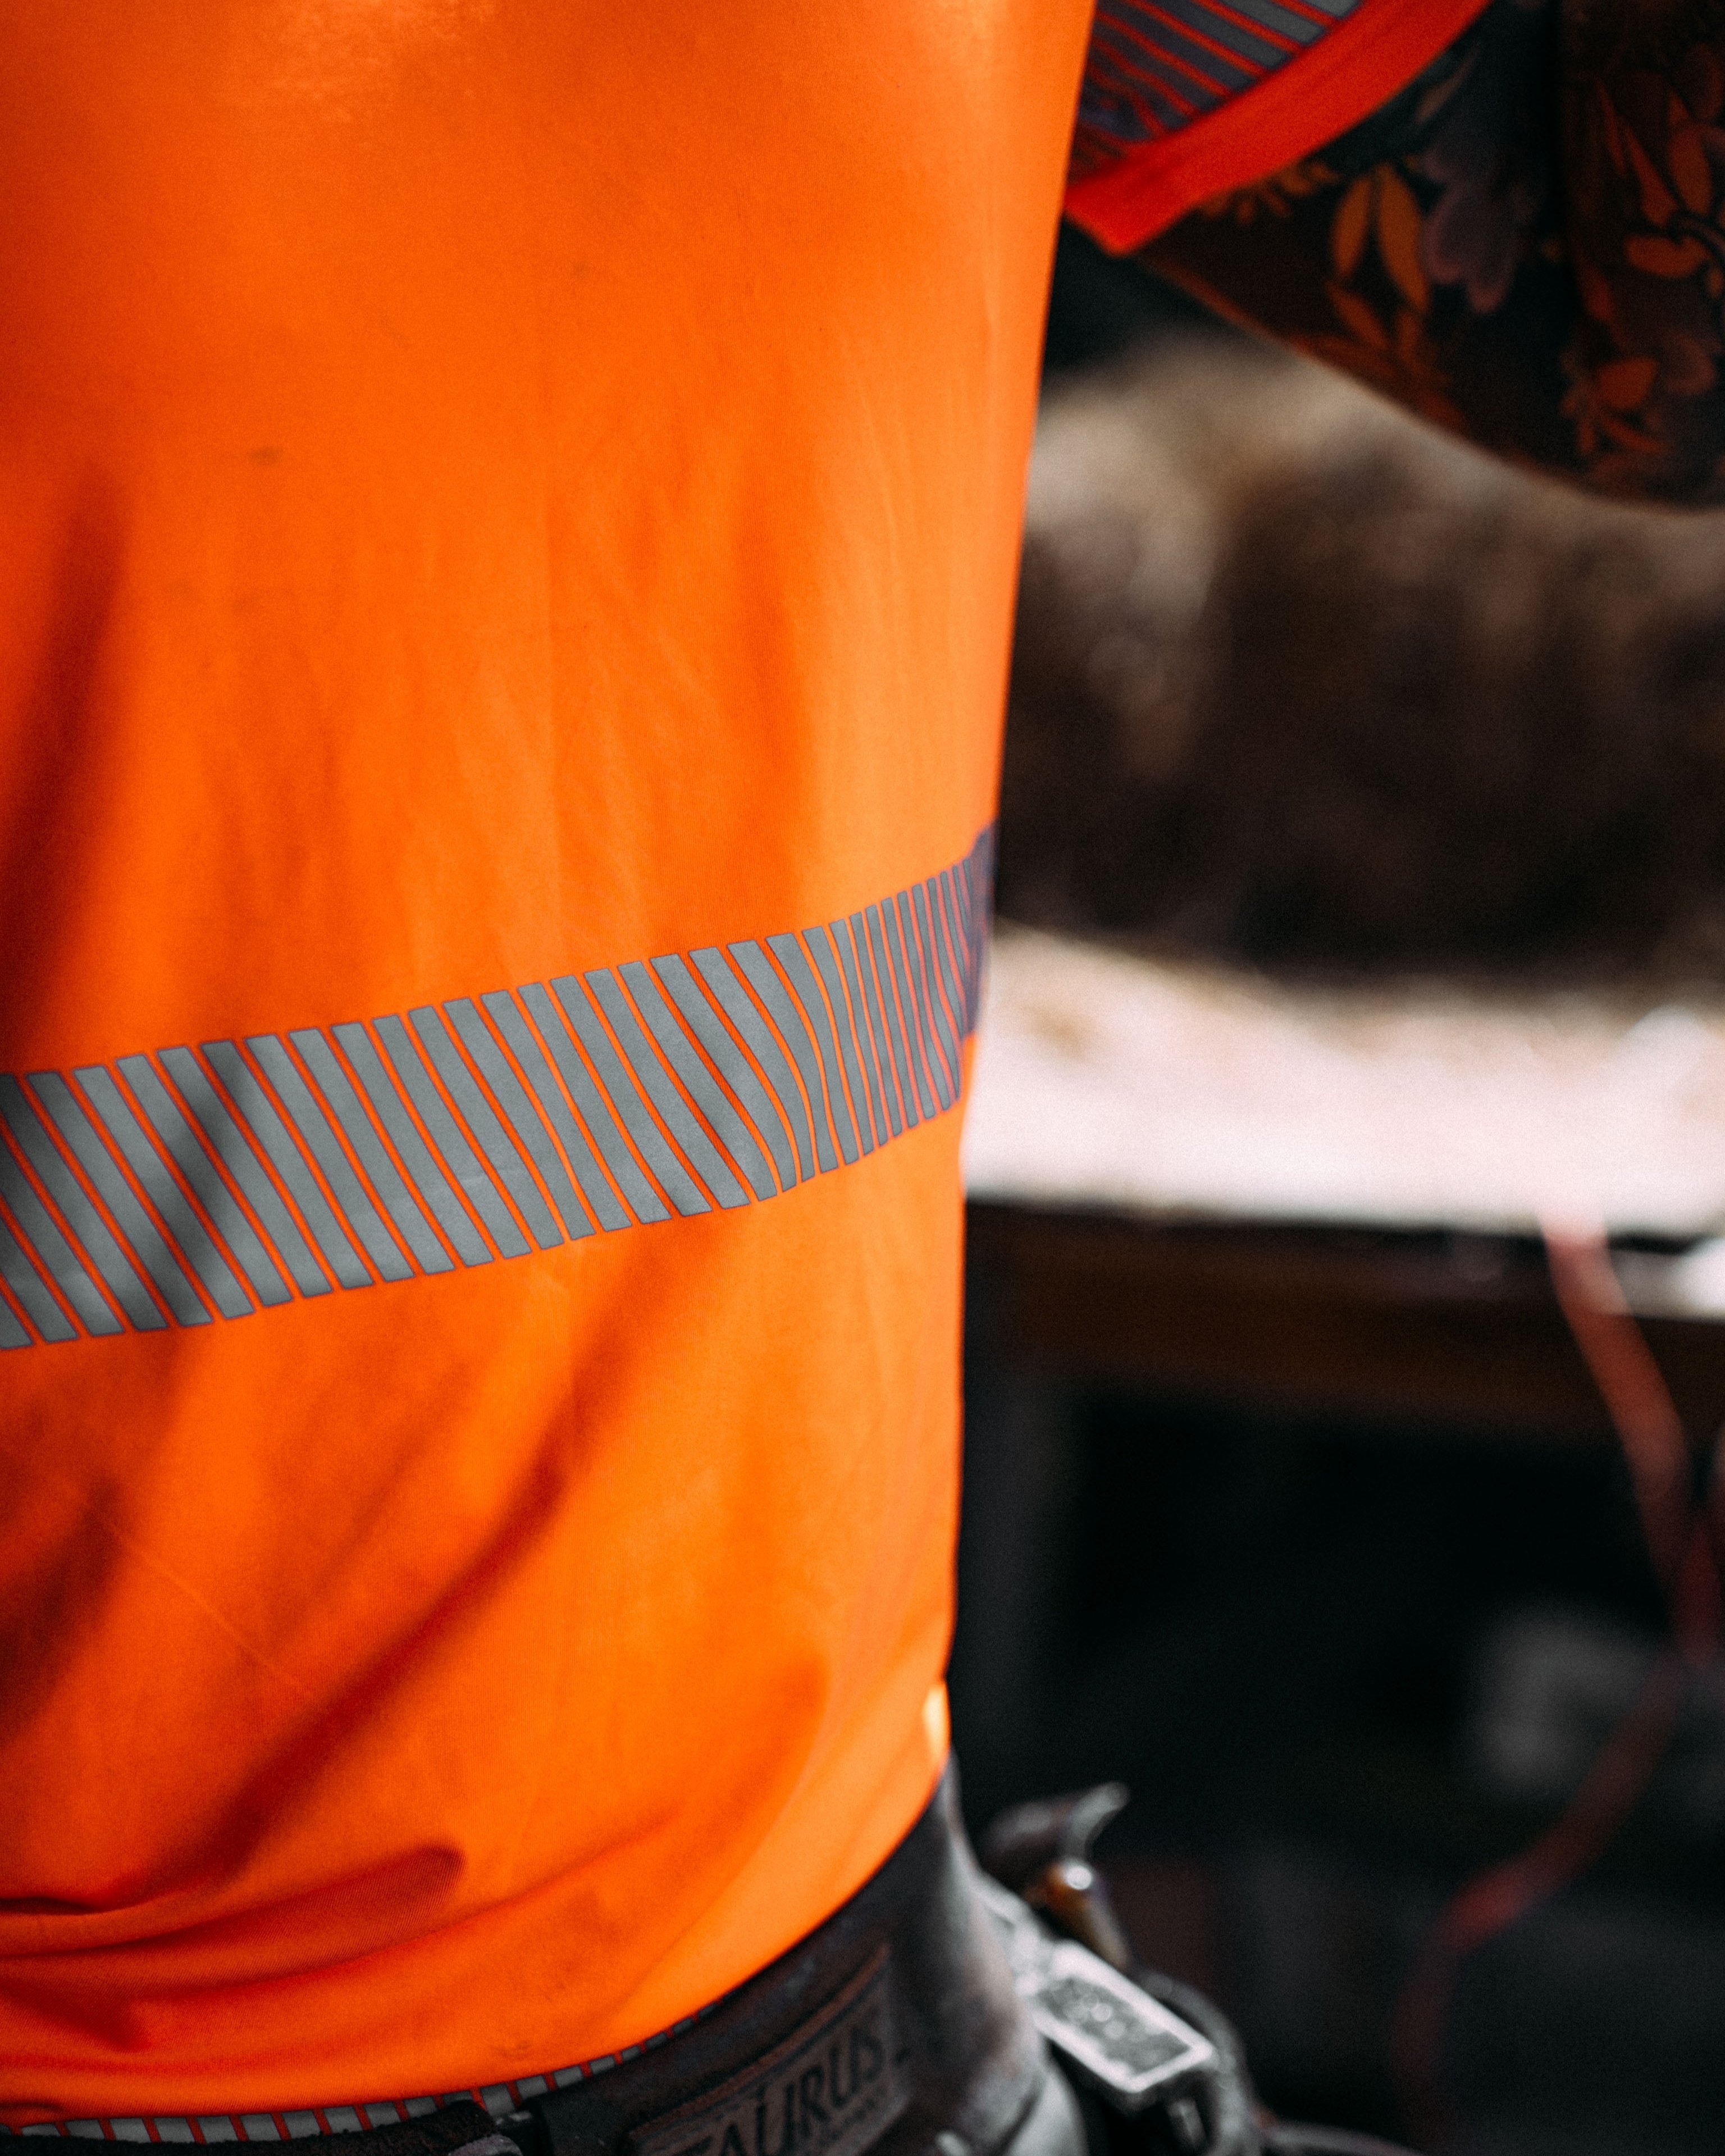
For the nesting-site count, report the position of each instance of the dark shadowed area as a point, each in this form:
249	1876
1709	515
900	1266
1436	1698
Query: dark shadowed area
1308	1522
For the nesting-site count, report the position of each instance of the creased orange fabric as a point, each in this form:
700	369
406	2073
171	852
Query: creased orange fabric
488	488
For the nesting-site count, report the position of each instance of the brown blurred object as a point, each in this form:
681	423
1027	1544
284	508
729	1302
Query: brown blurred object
1302	683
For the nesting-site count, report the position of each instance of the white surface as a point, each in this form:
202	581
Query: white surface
1103	1080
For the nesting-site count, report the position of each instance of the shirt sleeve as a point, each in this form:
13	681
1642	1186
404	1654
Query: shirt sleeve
1184	100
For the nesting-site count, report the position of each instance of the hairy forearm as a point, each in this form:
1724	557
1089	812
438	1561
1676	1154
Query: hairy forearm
1526	246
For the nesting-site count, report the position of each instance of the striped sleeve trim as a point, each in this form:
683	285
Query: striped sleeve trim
201	1185
1185	100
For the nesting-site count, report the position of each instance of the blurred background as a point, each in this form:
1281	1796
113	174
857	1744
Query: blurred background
1362	883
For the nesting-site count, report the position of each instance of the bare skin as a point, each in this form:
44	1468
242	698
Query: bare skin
1527	245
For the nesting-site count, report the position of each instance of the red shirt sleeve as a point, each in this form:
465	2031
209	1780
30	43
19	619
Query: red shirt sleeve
1186	98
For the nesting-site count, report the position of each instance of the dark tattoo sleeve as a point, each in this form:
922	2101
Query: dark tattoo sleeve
1527	245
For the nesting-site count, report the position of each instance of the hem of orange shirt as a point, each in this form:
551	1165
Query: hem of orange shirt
1316	95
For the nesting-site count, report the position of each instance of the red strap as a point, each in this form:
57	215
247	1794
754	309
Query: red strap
1311	99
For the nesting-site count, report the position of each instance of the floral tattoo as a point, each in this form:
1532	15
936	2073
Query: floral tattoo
1527	245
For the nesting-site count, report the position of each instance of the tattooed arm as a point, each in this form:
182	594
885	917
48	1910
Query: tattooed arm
1527	245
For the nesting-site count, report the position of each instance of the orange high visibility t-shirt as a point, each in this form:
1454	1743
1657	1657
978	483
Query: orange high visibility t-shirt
507	526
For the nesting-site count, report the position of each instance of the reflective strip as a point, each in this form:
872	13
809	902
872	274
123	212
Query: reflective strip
311	1151
952	955
218	2129
649	1141
870	1105
481	1192
301	2125
511	1097
757	969
12	1333
170	1201
266	1125
922	1001
820	943
80	1216
738	1073
342	2119
173	2129
476	1112
763	1044
791	955
258	2126
22	1277
698	1149
241	1162
313	1127
878	1045
601	1199
732	1132
385	1177
427	1178
890	1011
945	1040
117	1195
596	1110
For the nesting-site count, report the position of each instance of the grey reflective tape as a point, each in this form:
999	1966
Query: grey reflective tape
906	1005
625	1097
921	1005
601	1201
149	1244
925	904
952	911
946	1040
946	959
738	1073
791	955
763	1044
173	2129
733	1133
643	1200
422	1170
880	1044
862	1026
259	2126
312	1126
511	1096
343	2118
301	2125
128	2129
757	969
284	1157
402	1207
12	1333
227	1141
472	1179
26	1283
217	2130
895	1028
495	1141
196	1244
820	949
955	957
80	1216
698	1149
